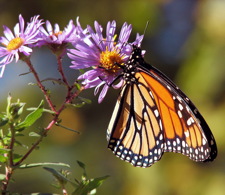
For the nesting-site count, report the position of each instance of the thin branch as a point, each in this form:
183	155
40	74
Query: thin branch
40	84
60	69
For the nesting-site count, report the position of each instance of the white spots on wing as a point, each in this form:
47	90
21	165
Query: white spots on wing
179	98
186	133
168	87
195	111
196	151
180	106
160	124
183	144
174	143
151	94
161	137
188	109
204	141
190	121
212	142
156	112
179	114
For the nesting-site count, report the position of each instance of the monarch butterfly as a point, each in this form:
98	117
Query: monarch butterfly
152	116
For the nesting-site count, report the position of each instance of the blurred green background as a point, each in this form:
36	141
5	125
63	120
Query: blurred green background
185	39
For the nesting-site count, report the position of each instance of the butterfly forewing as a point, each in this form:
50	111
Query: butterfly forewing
183	133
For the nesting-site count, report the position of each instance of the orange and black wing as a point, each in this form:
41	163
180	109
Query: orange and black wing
135	132
152	116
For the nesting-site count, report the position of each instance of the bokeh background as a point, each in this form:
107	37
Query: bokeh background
185	39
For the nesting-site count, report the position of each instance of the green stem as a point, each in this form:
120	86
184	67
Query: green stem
11	146
9	164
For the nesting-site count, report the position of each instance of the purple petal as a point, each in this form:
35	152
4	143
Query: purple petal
8	33
21	21
103	93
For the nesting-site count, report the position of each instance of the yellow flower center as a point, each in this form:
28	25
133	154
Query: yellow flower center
57	33
15	44
109	60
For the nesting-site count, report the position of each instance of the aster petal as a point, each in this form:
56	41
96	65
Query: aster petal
78	53
43	31
21	21
125	33
138	40
25	50
90	75
56	28
98	29
110	32
4	41
7	59
49	27
103	93
2	69
91	83
8	33
16	56
69	28
3	51
97	37
98	87
17	30
32	28
118	85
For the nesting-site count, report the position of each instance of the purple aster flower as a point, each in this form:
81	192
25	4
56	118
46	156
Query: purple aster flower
103	54
58	40
19	42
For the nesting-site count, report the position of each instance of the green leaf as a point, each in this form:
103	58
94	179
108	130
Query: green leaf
3	159
17	158
81	164
3	120
14	110
19	134
4	150
34	134
31	118
44	110
88	101
78	105
59	176
2	177
25	166
89	186
77	85
67	128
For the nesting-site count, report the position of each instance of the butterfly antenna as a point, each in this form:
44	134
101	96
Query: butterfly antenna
146	26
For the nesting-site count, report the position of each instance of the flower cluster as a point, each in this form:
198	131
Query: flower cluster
104	54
